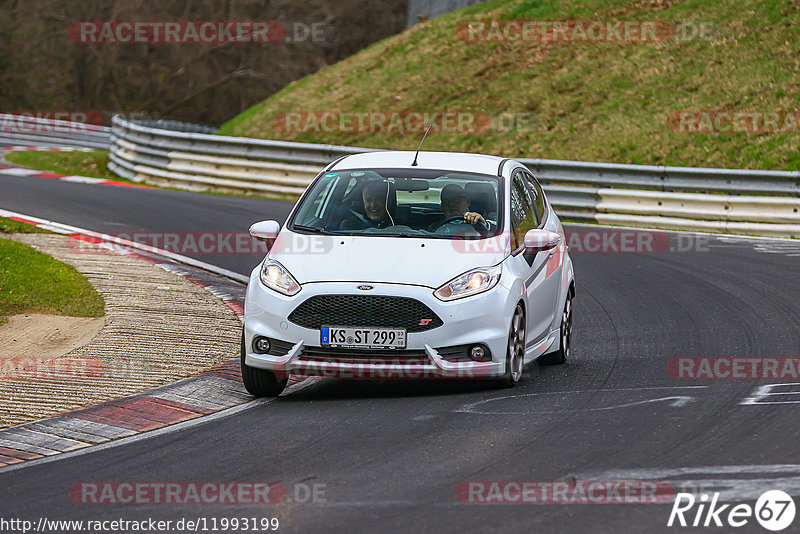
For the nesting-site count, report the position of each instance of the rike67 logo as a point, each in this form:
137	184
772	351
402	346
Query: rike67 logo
774	510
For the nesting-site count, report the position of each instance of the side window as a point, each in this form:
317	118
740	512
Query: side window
538	196
523	217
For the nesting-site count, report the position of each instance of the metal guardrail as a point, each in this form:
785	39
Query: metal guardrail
179	154
201	161
665	178
34	131
750	202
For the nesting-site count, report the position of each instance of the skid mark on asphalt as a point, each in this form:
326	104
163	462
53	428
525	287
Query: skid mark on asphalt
554	397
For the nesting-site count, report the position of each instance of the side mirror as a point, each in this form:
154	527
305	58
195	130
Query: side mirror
541	240
265	230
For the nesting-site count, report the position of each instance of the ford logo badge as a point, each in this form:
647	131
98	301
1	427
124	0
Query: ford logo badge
365	287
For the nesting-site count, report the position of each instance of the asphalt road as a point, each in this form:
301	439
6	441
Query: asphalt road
390	455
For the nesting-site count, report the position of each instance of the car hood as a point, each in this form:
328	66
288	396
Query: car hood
401	260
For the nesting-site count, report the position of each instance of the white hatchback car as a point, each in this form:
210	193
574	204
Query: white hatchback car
452	266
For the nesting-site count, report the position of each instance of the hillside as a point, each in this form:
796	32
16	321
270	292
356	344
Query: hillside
574	98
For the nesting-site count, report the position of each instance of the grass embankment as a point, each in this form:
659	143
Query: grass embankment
33	282
92	164
591	101
10	226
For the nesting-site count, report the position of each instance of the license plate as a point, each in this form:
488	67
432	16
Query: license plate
363	338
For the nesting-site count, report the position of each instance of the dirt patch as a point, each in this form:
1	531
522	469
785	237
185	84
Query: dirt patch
46	336
158	328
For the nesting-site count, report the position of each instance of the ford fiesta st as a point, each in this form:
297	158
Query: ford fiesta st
392	265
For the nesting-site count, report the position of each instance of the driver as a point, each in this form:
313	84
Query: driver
374	196
455	203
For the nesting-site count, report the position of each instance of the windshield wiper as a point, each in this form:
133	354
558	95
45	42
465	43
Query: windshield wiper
315	229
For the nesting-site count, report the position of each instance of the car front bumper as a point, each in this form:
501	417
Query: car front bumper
478	319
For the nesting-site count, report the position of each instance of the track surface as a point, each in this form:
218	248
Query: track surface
391	454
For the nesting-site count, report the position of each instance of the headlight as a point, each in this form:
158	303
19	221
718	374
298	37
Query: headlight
470	283
275	276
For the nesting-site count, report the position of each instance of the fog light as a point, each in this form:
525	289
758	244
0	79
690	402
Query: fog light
261	345
477	353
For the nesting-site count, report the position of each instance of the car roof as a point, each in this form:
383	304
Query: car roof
402	159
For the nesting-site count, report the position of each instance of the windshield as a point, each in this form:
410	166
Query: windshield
402	202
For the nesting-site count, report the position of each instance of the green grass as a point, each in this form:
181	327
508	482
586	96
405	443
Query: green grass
9	226
590	101
33	282
92	164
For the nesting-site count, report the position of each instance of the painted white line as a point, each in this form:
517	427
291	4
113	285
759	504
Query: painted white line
711	479
178	427
132	244
18	171
82	180
762	393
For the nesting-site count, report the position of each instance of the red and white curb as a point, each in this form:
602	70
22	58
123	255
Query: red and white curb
210	392
22	171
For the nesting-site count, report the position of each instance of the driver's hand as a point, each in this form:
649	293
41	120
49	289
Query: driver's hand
474	218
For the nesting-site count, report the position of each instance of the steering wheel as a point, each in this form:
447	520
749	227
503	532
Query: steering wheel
450	220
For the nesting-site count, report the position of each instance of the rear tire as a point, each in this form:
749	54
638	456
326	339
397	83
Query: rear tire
260	382
565	336
515	352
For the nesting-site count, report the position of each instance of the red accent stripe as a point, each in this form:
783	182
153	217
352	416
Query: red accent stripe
142	413
26	221
22	455
235	305
554	262
9	460
49	175
123	184
148	259
230	370
88	239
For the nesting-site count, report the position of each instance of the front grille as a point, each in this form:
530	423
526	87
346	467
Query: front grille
329	355
365	310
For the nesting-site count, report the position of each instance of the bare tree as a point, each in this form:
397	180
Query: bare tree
42	68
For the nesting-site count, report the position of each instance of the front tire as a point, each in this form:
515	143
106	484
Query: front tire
515	353
565	337
260	382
